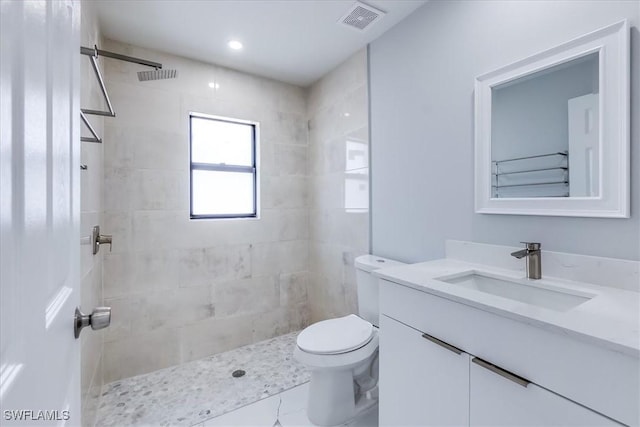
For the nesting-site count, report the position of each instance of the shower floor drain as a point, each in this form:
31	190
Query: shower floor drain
238	373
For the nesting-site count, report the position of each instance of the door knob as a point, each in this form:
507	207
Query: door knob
99	318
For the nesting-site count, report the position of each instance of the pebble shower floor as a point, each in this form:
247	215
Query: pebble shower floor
196	391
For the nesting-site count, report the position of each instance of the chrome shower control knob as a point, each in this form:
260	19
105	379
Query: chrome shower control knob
99	318
100	239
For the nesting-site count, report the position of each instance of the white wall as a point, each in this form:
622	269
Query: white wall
421	78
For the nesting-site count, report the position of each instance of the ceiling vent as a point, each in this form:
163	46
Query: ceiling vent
360	16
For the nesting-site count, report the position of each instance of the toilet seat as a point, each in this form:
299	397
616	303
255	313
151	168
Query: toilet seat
341	361
336	336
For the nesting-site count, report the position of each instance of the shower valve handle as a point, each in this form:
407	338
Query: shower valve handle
100	239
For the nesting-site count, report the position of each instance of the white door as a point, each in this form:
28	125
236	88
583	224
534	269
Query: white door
421	383
39	211
584	154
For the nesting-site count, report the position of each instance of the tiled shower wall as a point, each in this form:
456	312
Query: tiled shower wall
91	181
183	289
338	186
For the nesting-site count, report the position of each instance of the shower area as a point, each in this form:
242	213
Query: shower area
194	302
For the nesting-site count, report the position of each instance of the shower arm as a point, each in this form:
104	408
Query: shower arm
93	54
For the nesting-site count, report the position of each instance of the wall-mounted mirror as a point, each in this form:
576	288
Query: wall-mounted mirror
552	131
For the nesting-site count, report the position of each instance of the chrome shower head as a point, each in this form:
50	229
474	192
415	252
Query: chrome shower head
157	74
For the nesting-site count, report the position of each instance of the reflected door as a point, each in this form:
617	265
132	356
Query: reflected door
584	152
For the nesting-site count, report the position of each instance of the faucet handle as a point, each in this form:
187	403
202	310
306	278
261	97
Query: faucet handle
100	239
532	246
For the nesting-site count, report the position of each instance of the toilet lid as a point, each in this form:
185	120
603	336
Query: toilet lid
336	336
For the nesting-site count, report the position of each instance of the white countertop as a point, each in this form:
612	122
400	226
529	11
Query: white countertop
610	319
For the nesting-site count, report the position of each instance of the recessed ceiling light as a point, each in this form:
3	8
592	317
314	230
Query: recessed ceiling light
347	114
234	44
214	85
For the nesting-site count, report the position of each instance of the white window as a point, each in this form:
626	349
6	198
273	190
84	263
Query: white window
223	167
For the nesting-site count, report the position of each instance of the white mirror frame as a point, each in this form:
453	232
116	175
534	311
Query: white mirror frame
612	44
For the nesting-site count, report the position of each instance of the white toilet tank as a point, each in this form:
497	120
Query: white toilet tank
368	287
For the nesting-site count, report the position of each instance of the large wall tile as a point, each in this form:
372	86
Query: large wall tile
185	289
293	288
331	87
119	146
156	270
293	224
119	273
286	128
120	226
338	218
156	229
279	257
248	296
284	192
215	336
142	353
123	181
270	324
290	160
154	149
157	189
144	106
172	308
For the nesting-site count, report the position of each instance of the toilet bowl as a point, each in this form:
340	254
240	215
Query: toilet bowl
342	354
341	369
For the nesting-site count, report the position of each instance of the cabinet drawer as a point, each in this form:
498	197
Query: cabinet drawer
421	382
600	379
497	401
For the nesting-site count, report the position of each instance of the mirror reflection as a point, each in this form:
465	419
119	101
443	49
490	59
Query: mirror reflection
545	132
356	176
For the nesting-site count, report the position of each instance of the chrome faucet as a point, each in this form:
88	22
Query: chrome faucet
533	258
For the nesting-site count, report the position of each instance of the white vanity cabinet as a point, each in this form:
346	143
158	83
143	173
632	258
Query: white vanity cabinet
422	383
467	369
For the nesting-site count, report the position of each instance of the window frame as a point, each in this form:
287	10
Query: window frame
221	167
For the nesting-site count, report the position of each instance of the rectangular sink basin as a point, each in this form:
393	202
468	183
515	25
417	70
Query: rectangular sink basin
534	293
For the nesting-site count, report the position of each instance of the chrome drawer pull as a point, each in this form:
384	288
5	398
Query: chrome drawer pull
449	347
506	374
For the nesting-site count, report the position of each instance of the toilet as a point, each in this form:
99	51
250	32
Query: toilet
342	353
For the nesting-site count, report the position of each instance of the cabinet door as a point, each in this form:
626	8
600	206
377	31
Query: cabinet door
498	401
421	383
